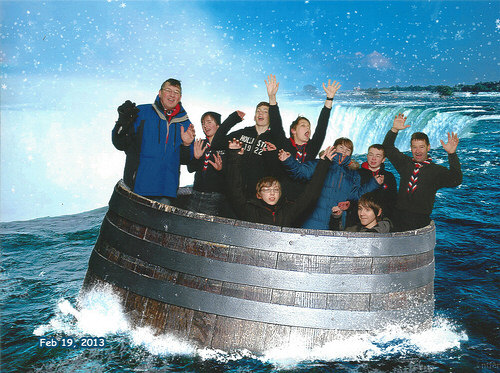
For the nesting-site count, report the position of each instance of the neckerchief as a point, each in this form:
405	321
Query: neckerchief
208	153
413	183
172	112
365	165
169	114
301	153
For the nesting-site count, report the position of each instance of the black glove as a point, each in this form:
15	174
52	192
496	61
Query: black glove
127	112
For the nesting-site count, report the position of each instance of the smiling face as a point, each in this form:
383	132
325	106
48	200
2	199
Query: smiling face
170	96
344	150
419	150
270	194
375	158
209	126
262	117
302	132
367	216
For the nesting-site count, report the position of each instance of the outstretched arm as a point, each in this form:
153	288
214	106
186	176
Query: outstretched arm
219	141
300	171
330	89
453	176
451	145
397	158
124	128
275	121
399	123
272	88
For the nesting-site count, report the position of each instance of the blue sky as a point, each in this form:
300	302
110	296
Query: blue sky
221	43
67	65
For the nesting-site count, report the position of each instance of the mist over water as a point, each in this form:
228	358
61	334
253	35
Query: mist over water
44	262
60	165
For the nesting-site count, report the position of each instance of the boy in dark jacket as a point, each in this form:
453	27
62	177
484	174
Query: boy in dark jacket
386	193
370	217
207	163
257	162
269	206
300	144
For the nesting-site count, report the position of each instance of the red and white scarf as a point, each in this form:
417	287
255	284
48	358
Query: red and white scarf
413	183
301	153
208	153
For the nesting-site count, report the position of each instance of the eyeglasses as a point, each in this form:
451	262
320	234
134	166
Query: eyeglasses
270	190
171	92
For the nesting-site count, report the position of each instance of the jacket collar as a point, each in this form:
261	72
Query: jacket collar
342	162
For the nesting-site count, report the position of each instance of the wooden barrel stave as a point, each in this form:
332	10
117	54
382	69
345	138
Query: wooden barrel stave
218	329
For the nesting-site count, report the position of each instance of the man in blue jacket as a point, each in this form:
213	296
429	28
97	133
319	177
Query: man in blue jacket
156	138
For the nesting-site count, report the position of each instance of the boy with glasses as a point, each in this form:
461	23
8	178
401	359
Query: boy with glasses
269	205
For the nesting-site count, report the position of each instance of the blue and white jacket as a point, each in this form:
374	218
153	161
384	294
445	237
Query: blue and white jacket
341	184
154	150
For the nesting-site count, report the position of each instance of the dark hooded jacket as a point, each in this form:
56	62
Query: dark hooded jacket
302	153
257	162
420	201
206	178
257	211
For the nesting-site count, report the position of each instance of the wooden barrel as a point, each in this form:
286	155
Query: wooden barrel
229	284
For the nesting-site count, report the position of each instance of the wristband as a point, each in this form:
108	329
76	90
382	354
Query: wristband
329	99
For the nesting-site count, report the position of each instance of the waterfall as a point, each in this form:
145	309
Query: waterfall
367	124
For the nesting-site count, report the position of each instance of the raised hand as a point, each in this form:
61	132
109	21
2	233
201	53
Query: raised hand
235	145
331	88
128	109
217	163
399	123
272	88
198	148
283	155
344	205
241	114
336	211
188	135
329	153
127	114
379	179
269	147
451	145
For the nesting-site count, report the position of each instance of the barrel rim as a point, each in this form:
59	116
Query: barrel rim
121	187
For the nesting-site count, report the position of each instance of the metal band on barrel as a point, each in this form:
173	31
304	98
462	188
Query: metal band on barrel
350	245
261	276
222	305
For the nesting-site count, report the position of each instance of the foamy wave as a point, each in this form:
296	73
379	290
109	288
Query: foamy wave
394	341
100	314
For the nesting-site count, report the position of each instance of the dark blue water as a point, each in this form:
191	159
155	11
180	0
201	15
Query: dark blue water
44	262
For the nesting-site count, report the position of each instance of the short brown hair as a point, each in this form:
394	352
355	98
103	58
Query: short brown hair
371	201
173	82
296	122
420	136
262	103
378	147
267	182
344	141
